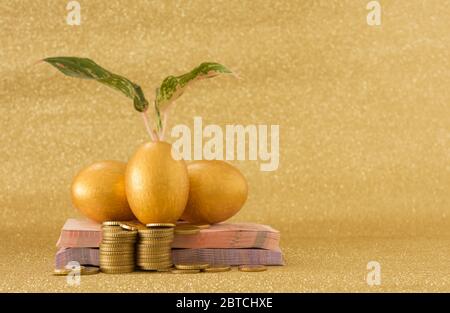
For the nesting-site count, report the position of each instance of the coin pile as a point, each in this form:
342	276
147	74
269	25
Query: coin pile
153	251
117	248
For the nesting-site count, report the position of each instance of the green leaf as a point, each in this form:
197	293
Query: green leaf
173	87
87	69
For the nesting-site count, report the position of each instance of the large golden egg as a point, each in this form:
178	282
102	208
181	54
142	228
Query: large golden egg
217	191
157	185
98	191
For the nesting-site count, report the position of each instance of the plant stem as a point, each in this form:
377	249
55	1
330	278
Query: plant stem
164	124
147	126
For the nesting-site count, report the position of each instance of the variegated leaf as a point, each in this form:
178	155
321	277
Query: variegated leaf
173	86
87	69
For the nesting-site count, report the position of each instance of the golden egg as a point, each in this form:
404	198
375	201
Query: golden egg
157	185
217	191
98	191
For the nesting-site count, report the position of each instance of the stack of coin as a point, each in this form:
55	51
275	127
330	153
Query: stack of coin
117	248
153	251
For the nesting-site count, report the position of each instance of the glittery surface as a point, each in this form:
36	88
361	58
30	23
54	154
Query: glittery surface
364	121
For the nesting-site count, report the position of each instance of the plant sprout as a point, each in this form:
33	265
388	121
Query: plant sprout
170	89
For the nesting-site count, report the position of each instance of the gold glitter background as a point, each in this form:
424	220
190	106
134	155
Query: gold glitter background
364	115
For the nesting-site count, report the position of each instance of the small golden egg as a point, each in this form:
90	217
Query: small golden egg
217	191
98	191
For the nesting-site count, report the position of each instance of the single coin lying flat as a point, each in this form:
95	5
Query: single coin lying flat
191	266
252	268
217	269
177	271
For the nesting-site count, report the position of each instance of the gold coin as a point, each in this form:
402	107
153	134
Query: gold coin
119	242
154	233
115	270
156	230
116	258
111	229
117	253
119	234
149	265
178	271
127	226
202	226
111	223
153	257
154	242
90	270
252	268
187	230
153	248
164	270
153	268
62	271
122	252
152	236
153	245
155	264
191	266
116	263
153	261
135	224
160	225
123	242
119	238
116	266
153	239
125	248
153	253
186	226
217	269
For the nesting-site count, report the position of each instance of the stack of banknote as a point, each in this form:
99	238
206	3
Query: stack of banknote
223	243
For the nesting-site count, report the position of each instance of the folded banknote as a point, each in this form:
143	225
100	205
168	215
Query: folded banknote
90	256
79	233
